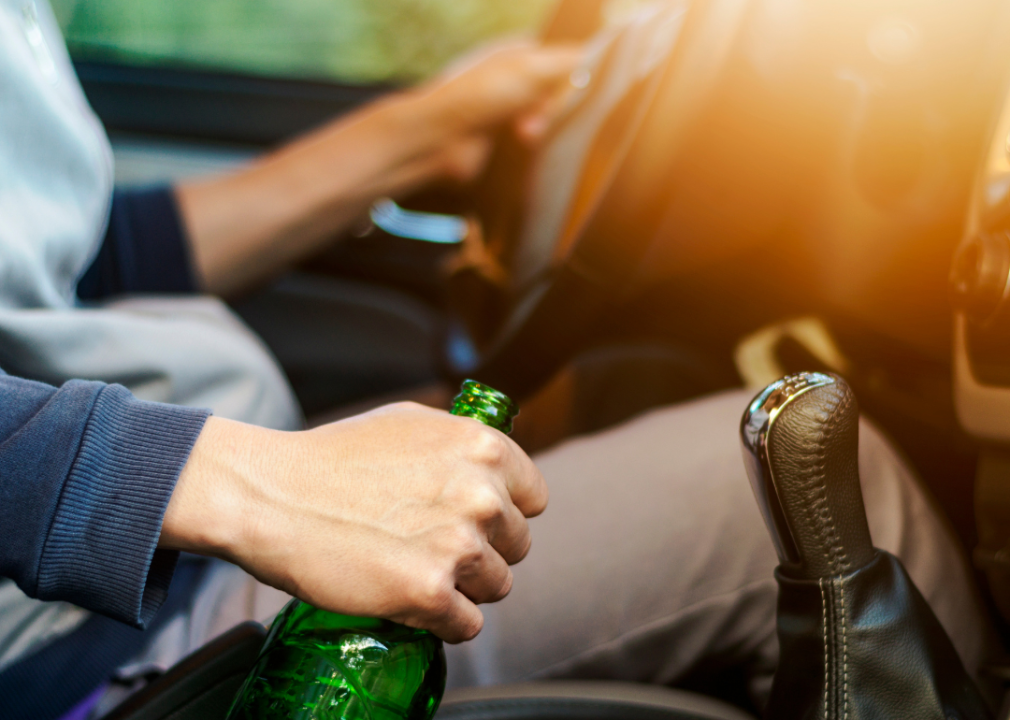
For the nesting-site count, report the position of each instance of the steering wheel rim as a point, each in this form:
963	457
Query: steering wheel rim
595	261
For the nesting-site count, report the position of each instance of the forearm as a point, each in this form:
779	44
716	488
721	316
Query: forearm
86	472
245	226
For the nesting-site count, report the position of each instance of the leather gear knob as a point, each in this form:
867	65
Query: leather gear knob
801	440
857	640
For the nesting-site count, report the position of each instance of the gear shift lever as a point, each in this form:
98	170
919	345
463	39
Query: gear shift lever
857	640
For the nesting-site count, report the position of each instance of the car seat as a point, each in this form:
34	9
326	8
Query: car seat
202	686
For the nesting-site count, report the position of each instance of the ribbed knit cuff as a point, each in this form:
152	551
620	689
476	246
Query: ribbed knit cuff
100	552
145	249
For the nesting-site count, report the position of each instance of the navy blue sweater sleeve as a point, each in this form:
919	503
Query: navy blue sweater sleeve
86	473
145	249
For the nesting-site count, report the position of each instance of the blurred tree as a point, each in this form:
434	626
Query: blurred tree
356	41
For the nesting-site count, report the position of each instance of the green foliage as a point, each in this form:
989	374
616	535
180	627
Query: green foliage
357	41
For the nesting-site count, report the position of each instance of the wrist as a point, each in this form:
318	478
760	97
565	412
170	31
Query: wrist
442	144
415	131
213	507
385	148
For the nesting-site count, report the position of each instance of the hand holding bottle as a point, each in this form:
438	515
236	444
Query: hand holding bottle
406	512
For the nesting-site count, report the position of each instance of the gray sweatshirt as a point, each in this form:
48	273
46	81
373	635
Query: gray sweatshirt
55	191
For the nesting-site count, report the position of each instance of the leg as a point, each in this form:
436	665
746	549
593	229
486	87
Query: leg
652	561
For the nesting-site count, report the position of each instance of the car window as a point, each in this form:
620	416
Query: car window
349	41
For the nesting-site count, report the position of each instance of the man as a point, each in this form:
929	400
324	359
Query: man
654	563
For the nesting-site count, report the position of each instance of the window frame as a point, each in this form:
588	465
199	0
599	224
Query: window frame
211	105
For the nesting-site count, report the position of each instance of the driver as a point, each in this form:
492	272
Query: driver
135	428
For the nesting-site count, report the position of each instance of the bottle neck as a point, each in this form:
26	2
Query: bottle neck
486	404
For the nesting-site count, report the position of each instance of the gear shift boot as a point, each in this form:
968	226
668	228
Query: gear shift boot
866	646
858	641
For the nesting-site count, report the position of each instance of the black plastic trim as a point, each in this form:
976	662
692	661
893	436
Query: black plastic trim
202	684
211	105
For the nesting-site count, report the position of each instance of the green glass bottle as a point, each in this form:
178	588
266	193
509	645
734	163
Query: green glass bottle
318	665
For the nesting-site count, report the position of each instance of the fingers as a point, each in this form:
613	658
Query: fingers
552	69
500	83
464	160
526	485
434	603
506	462
488	579
551	64
510	535
426	525
451	611
443	597
461	621
546	63
513	490
533	126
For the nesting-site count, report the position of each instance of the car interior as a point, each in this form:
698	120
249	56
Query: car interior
736	191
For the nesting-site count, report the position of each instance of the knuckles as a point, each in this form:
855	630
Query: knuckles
486	504
465	546
521	550
408	406
432	593
488	448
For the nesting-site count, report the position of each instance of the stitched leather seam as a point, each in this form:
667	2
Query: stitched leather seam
841	555
816	511
824	635
844	650
823	521
837	561
820	513
840	610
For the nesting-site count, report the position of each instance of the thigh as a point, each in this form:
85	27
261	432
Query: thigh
651	556
652	561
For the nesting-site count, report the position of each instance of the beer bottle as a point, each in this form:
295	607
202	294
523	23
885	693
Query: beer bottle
318	665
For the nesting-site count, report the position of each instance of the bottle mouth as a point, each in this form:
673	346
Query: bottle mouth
486	404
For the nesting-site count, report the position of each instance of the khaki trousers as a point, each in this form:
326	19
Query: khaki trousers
652	563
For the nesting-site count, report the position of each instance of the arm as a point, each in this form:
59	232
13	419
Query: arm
86	472
406	512
246	226
144	249
418	513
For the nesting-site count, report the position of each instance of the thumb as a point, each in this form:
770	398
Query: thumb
552	64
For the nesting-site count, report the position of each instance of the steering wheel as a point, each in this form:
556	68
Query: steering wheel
578	235
830	147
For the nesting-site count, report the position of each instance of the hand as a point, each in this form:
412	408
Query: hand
406	512
245	226
517	83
